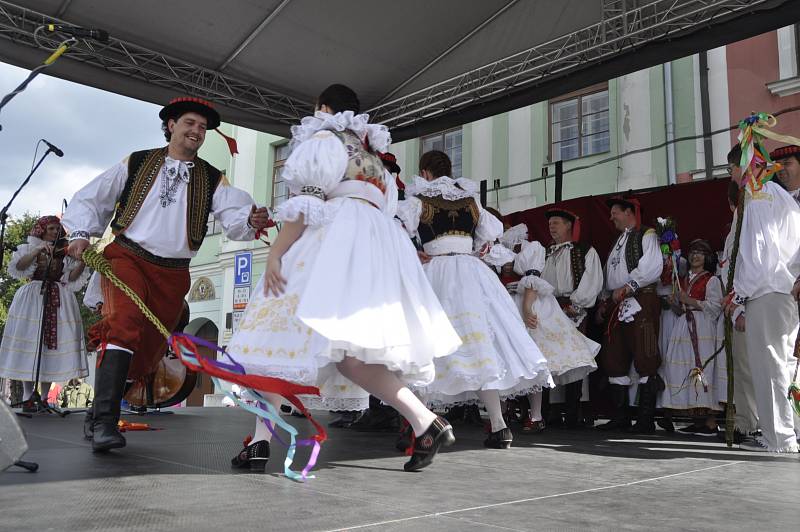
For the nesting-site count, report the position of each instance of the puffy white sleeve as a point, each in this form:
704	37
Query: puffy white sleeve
537	284
69	266
92	207
489	228
390	195
591	283
712	306
232	206
312	171
94	292
650	265
13	269
409	212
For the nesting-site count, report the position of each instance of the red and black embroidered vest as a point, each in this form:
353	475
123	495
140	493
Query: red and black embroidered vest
442	217
697	287
143	169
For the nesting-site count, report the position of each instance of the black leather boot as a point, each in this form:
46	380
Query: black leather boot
573	404
620	421
427	444
647	408
109	383
499	439
254	456
88	423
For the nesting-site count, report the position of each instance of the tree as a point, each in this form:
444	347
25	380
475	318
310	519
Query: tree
16	234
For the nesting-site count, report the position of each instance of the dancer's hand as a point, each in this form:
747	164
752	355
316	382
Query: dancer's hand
739	325
531	320
259	218
274	282
77	247
621	293
424	258
796	290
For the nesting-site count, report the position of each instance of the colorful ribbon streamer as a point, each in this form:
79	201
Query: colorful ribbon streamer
185	347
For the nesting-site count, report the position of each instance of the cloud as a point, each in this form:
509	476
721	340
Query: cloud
95	129
46	191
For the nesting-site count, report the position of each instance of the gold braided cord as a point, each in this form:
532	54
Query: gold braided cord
98	262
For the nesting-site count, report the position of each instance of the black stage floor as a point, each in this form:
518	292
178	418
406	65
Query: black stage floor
179	479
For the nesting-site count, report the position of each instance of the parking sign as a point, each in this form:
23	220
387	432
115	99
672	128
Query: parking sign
242	268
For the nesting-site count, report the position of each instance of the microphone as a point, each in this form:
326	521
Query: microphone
54	149
84	33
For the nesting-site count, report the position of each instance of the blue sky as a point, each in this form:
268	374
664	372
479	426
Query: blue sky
95	129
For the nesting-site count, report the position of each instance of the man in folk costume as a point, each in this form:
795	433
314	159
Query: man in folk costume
765	275
158	202
576	274
632	310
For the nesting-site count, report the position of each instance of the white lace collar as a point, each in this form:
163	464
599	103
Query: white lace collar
175	168
378	134
447	187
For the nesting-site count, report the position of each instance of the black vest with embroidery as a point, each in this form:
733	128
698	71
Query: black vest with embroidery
441	217
633	247
143	169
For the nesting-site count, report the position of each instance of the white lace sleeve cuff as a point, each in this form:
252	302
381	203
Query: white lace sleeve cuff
315	211
537	284
498	255
13	270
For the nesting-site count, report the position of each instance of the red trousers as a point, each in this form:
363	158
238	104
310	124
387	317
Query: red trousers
161	289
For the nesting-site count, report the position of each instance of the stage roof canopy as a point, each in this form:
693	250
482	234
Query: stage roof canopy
418	65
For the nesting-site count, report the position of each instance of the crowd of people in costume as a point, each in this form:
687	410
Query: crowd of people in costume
408	301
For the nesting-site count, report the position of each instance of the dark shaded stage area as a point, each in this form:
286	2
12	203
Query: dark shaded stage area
179	479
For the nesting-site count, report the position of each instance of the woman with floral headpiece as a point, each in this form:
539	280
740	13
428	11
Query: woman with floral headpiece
58	326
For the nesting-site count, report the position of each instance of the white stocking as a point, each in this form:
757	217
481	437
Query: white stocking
27	390
491	400
261	431
383	384
535	399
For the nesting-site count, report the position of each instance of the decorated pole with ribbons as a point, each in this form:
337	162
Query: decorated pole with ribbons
185	348
757	170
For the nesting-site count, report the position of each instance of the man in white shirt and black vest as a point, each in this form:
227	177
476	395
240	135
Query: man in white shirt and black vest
576	274
632	310
158	202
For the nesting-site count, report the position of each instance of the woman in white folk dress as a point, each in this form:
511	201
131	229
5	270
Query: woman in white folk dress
344	304
59	328
497	359
570	354
694	338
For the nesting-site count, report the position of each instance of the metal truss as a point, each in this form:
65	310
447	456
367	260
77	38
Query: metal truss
625	25
18	24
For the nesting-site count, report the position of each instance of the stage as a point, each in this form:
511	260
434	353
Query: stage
179	478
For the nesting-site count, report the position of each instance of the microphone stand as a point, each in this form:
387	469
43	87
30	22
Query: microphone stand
4	210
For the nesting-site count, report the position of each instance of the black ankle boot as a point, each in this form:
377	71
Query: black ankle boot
254	456
620	421
426	445
109	383
88	423
647	408
573	404
500	439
